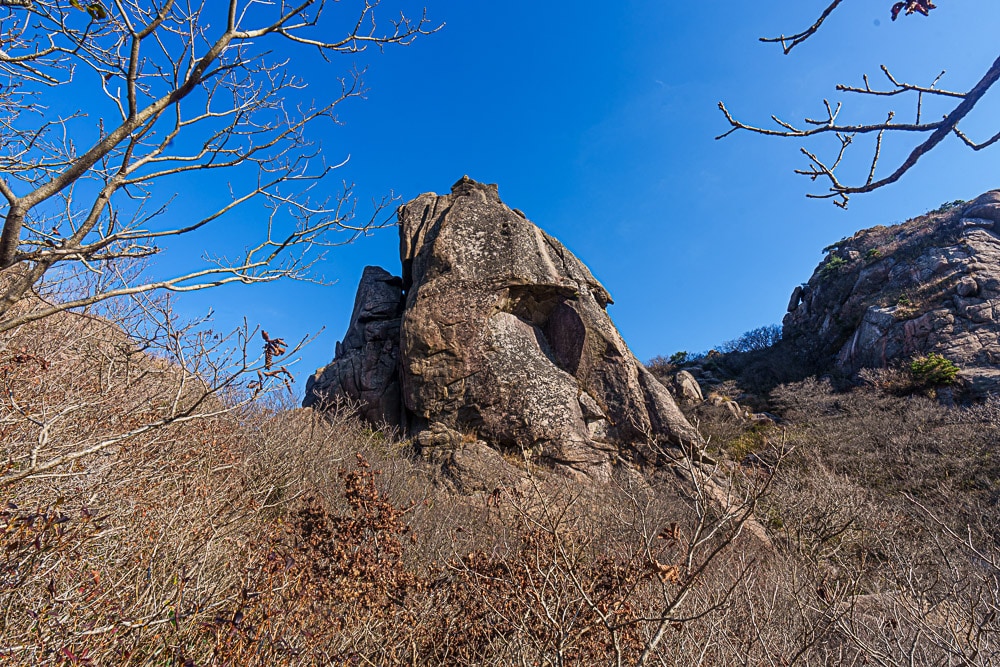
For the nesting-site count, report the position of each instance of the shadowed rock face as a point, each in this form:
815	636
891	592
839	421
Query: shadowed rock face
931	284
366	364
504	337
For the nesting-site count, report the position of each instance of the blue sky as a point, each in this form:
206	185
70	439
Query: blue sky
598	121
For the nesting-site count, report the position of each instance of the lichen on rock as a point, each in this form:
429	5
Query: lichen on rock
929	285
503	334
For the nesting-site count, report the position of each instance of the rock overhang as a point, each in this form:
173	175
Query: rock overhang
501	334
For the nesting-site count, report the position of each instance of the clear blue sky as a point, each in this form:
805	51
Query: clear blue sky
598	119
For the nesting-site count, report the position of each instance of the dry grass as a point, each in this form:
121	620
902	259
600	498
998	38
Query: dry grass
249	533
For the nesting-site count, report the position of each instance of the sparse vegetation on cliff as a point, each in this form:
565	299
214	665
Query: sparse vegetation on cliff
933	370
832	266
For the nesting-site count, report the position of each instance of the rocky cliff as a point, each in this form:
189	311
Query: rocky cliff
886	294
496	337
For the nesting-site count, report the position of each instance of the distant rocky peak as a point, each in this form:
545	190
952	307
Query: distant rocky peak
888	294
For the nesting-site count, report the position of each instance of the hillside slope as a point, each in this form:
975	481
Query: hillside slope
930	285
155	516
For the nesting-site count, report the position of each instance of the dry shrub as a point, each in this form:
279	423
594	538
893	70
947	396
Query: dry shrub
889	507
541	573
255	534
320	587
895	445
162	486
884	524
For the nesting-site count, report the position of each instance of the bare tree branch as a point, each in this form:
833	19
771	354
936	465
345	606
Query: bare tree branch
188	93
790	42
935	131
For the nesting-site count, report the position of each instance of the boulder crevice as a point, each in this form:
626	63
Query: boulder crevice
501	335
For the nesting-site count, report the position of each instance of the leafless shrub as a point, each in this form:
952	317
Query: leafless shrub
256	534
760	338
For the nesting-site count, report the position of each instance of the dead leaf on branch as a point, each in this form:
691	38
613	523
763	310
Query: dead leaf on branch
273	347
912	6
670	573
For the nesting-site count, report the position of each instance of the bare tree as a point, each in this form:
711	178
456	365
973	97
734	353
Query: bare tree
754	340
169	89
934	130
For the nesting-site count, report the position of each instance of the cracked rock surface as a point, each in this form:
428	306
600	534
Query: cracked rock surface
365	366
499	334
887	294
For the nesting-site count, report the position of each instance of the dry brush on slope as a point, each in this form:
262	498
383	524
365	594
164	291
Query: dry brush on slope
257	535
884	520
252	534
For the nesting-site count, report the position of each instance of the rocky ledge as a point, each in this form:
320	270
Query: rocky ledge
495	340
887	294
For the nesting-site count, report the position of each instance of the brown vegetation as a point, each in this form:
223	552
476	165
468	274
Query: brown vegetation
238	532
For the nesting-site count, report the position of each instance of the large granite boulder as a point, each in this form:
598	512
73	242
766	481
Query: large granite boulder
887	294
505	339
365	369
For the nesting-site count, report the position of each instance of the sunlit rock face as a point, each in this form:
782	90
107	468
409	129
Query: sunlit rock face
503	339
887	294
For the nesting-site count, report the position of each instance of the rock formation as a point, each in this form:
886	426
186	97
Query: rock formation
886	294
366	364
686	387
497	334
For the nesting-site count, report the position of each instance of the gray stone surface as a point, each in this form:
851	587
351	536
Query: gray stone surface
985	207
967	287
365	369
687	387
931	284
504	338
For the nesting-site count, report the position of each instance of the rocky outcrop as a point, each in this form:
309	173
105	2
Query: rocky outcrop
886	294
366	363
504	339
687	388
